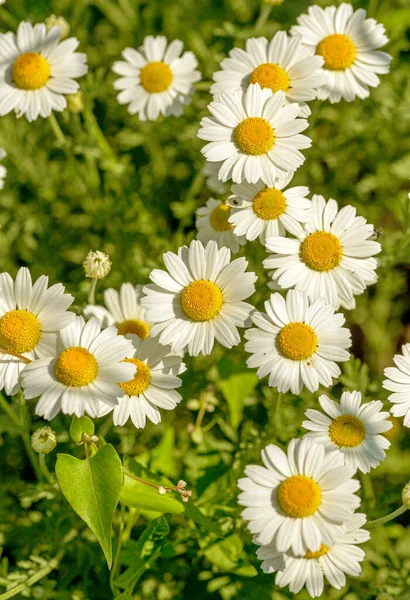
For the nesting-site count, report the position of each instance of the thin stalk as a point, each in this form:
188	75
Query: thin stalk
16	355
266	9
387	518
44	469
9	412
25	436
113	13
53	564
118	548
368	490
176	488
96	132
58	132
91	291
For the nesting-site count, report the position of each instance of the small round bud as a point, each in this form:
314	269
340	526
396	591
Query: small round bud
97	264
181	484
75	102
43	440
405	495
53	21
162	490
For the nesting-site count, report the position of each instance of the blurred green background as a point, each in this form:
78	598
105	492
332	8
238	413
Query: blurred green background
131	189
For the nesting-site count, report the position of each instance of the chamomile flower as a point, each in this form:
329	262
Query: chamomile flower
398	381
332	258
83	372
348	43
299	500
123	310
213	223
37	71
351	428
283	64
157	79
332	563
30	318
3	170
268	210
297	343
255	134
153	386
199	298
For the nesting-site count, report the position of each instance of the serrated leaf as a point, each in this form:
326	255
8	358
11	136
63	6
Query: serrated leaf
79	426
92	487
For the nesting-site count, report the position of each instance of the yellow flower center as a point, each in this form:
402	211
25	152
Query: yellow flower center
299	496
254	136
269	204
219	218
271	76
30	71
139	328
76	367
141	381
297	341
19	331
338	51
321	552
201	300
156	77
321	251
347	431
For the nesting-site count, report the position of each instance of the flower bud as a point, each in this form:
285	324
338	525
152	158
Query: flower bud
75	102
43	440
162	490
97	264
53	21
405	495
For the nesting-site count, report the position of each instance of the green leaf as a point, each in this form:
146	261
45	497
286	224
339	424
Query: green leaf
79	426
235	390
92	487
194	513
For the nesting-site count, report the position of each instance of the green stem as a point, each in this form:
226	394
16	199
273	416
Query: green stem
9	412
53	564
266	9
44	469
91	291
387	518
26	437
118	549
96	132
368	491
113	13
58	132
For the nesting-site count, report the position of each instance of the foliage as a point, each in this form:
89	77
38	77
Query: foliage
131	189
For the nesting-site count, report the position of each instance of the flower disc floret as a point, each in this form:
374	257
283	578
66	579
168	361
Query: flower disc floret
321	251
269	204
254	136
272	76
76	367
141	381
219	218
338	52
156	77
297	341
201	300
19	331
30	71
299	496
347	431
139	328
321	552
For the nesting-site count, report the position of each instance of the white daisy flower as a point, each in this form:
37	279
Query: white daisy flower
123	310
283	64
348	43
199	298
211	170
255	134
3	170
398	382
268	210
213	223
300	500
331	258
83	372
37	71
30	318
332	563
154	384
156	79
351	428
297	342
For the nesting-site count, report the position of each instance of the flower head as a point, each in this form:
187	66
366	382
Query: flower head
97	264
213	223
53	21
398	381
44	440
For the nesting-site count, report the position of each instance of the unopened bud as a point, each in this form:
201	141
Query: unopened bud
53	21
44	440
97	264
162	490
405	495
75	102
181	484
